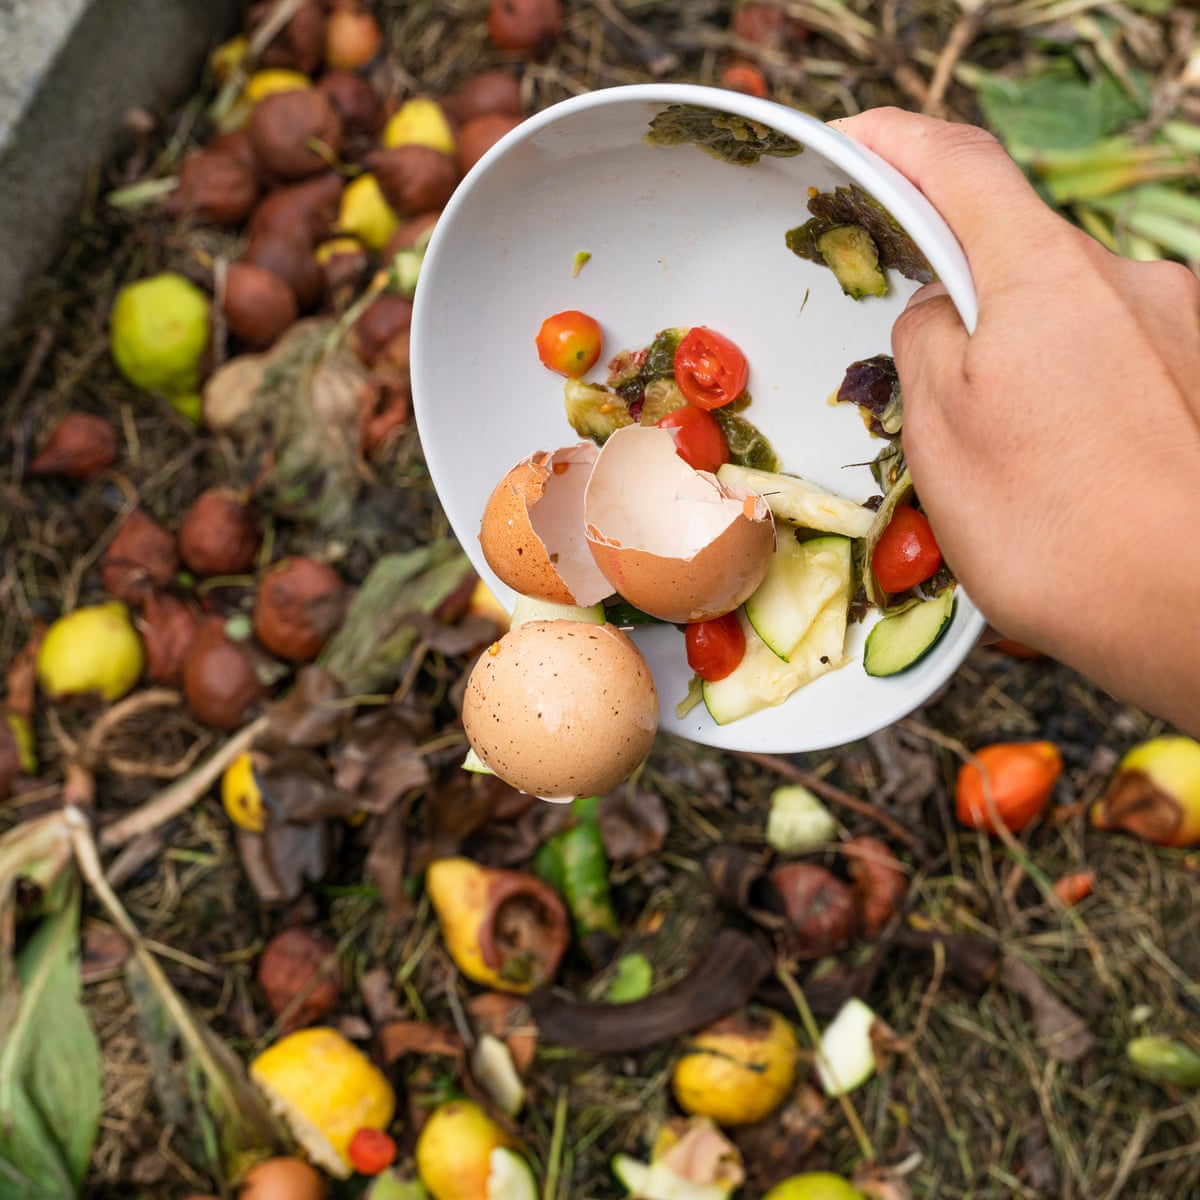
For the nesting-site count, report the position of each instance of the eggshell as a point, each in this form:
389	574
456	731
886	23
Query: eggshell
673	541
561	708
532	532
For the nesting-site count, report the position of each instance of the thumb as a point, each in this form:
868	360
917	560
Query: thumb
929	343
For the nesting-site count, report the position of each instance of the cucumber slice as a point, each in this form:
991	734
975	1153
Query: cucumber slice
798	500
904	638
803	577
762	679
474	763
846	1056
510	1177
529	608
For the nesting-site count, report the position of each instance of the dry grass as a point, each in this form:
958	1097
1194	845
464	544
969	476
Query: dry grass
975	1106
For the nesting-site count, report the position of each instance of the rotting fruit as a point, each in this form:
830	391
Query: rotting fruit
738	1070
326	1089
1006	784
241	797
158	334
1155	793
93	649
815	1185
462	1154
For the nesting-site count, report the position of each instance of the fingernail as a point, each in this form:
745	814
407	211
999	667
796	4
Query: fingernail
931	291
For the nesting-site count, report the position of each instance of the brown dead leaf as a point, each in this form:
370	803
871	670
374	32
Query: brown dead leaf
103	950
633	824
379	761
388	861
397	1039
309	715
1061	1032
781	1145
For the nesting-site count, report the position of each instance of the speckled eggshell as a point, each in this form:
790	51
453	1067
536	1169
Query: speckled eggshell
671	540
531	533
561	709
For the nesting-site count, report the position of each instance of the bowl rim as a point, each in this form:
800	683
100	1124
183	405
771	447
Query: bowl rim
895	191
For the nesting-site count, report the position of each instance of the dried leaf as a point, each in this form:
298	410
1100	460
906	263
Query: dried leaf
633	824
379	762
1061	1032
310	714
387	862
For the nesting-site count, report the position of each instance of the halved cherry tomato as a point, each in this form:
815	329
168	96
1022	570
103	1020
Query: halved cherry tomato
709	368
714	648
699	440
569	343
371	1151
907	553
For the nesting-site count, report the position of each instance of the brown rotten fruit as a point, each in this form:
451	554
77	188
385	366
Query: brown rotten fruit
219	534
524	25
215	186
140	558
480	134
299	603
820	908
168	627
300	44
295	133
302	211
298	973
494	91
258	305
80	446
357	102
352	36
291	258
220	683
413	179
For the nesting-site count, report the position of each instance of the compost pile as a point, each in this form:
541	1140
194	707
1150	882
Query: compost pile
263	935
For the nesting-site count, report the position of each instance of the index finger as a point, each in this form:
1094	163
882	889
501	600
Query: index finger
966	175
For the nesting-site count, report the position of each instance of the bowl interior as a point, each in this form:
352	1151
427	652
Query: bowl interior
673	236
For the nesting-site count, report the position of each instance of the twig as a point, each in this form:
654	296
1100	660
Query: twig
182	794
961	36
835	795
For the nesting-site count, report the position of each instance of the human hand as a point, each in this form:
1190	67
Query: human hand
1056	449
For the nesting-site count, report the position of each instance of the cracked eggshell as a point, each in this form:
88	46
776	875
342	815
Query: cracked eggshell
532	532
672	540
561	709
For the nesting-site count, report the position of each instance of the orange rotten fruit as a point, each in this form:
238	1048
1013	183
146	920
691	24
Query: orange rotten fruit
1008	783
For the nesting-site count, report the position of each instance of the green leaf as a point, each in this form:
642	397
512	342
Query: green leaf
50	1100
1054	108
634	978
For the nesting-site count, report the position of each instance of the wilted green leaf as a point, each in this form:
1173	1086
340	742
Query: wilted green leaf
50	1099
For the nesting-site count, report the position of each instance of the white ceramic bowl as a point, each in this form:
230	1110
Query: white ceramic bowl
675	237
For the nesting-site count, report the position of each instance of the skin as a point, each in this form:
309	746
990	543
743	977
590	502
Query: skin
1056	449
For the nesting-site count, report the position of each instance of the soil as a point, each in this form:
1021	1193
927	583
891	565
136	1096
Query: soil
1009	1013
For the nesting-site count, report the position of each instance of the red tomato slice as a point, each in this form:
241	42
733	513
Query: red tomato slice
710	370
716	647
569	342
907	553
699	440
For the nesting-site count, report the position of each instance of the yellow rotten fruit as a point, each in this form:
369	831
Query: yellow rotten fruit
505	929
326	1089
93	649
365	214
158	334
272	80
22	733
738	1070
1155	792
241	796
419	122
815	1185
462	1154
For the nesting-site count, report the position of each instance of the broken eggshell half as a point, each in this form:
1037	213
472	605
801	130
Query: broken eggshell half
673	541
532	534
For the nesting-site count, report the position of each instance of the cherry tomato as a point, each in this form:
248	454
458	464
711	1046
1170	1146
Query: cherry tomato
371	1151
569	343
709	368
699	440
907	553
714	648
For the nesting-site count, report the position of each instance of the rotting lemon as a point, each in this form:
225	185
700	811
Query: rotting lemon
272	80
241	796
738	1070
93	649
462	1154
326	1089
419	122
158	334
815	1185
365	214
